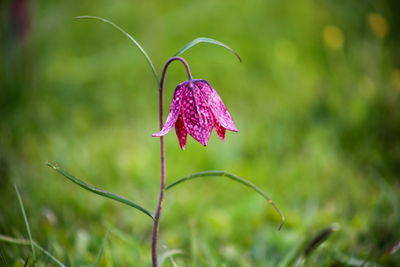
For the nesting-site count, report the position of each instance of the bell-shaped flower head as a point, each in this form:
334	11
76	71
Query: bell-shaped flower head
196	109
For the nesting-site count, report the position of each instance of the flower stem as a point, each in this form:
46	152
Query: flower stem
157	216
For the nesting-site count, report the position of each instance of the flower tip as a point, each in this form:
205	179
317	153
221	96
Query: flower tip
232	128
182	145
204	143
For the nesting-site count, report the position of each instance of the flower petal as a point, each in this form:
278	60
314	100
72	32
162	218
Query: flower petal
197	116
219	129
216	105
181	132
174	111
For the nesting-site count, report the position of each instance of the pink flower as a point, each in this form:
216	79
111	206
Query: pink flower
196	109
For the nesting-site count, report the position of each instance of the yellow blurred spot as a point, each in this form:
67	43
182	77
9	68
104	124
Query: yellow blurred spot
396	78
333	37
378	25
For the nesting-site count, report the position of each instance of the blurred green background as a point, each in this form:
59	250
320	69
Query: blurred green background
316	102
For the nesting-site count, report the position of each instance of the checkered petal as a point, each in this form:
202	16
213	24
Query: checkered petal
174	111
220	130
181	132
197	116
216	105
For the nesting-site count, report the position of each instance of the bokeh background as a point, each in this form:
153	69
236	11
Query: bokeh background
316	102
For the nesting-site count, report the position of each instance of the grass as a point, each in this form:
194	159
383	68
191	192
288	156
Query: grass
29	242
28	229
315	100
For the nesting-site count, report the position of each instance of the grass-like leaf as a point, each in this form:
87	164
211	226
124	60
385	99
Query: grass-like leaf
318	239
103	244
28	229
99	191
25	242
299	253
291	255
205	40
168	254
234	178
131	38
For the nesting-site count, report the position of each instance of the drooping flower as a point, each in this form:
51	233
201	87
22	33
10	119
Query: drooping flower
196	109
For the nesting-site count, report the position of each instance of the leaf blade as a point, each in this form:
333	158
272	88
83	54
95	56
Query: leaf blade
234	178
25	242
49	255
103	244
319	239
131	38
168	254
28	229
206	40
99	191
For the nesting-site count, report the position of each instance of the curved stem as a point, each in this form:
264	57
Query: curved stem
164	72
157	215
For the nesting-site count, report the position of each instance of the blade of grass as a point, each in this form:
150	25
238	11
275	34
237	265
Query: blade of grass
121	235
234	178
12	240
49	255
318	239
3	259
103	244
291	256
205	40
167	254
25	242
99	191
28	229
173	262
208	254
131	38
298	255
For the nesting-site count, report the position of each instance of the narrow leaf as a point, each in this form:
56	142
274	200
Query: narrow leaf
26	262
205	40
318	239
234	178
16	241
103	244
49	255
28	229
99	191
291	255
25	242
131	38
168	254
3	259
